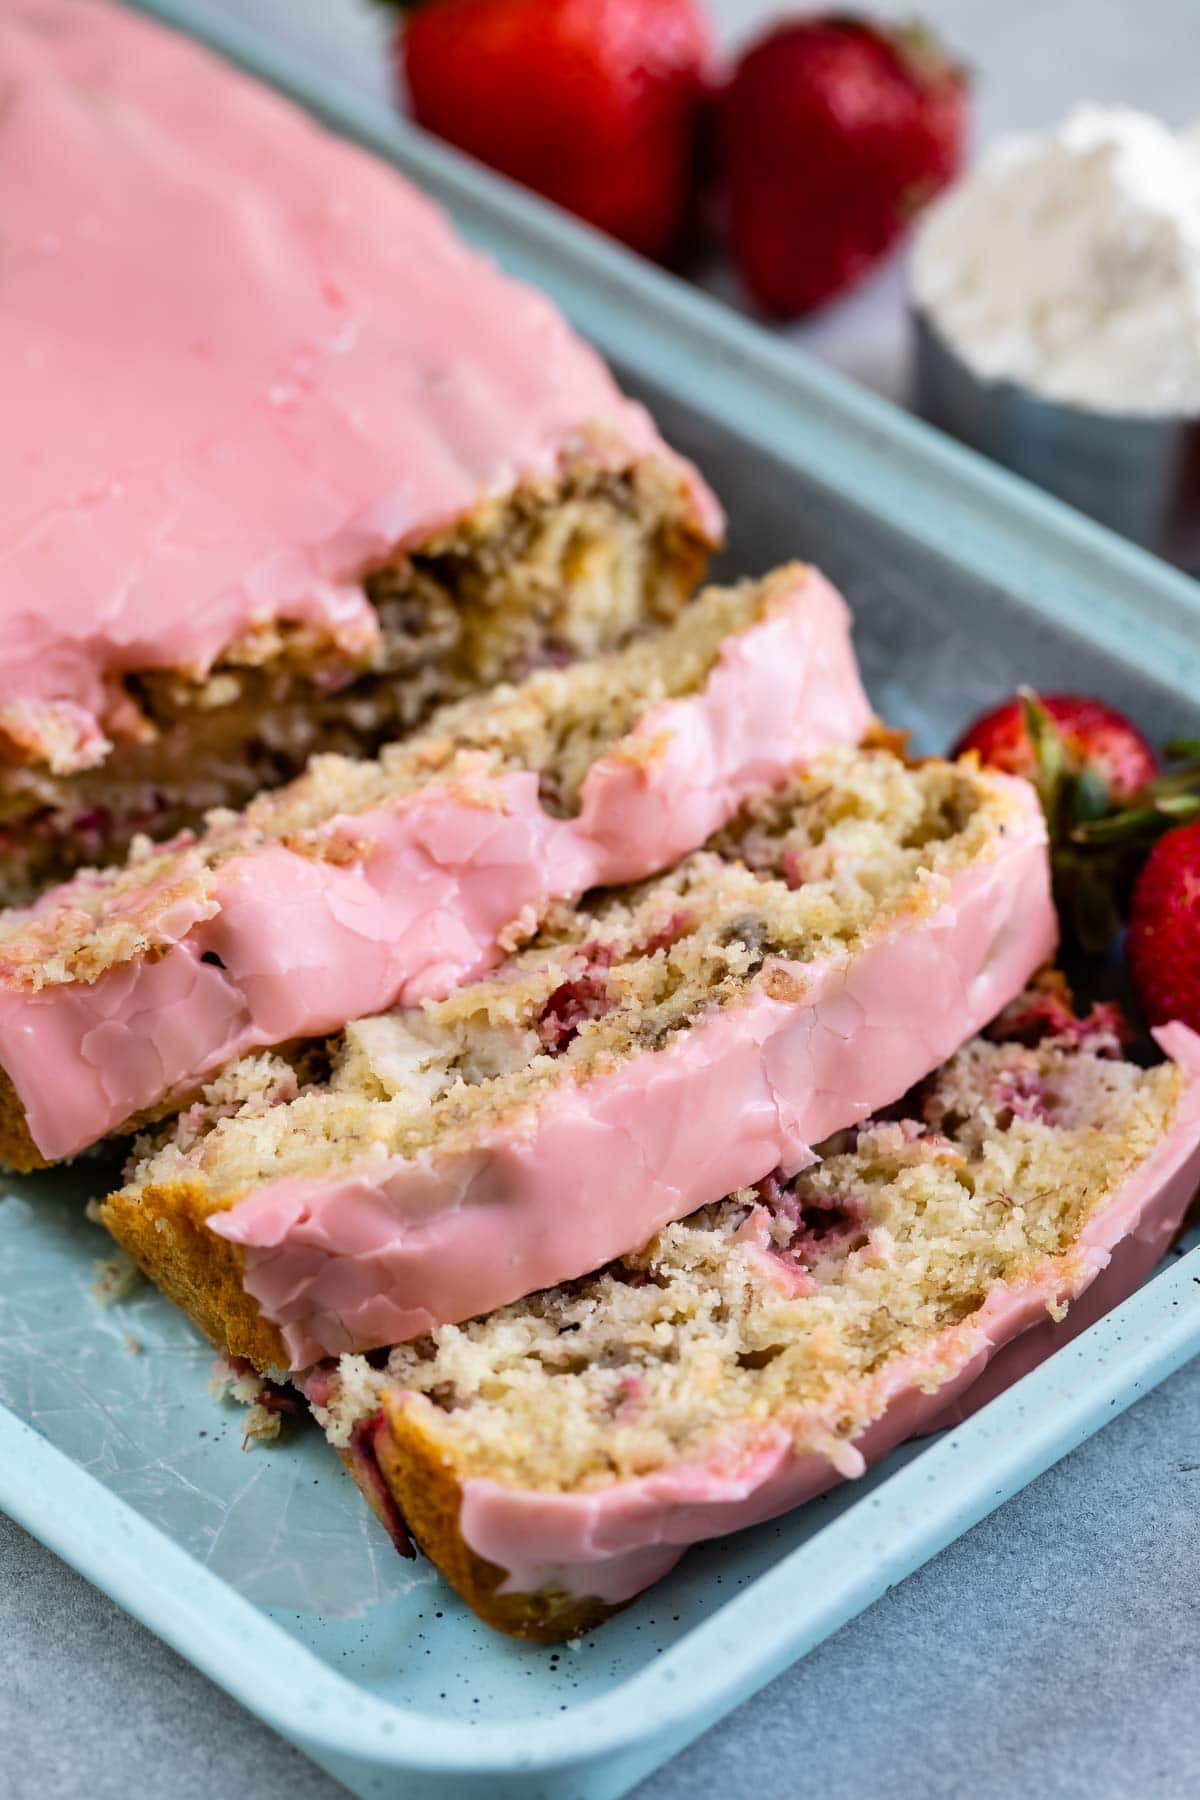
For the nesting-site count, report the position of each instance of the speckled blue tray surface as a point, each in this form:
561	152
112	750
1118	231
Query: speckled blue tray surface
264	1568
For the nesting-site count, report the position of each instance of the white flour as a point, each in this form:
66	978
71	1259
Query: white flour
1070	261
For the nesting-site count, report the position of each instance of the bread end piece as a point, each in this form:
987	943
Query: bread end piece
427	1492
164	1228
17	1148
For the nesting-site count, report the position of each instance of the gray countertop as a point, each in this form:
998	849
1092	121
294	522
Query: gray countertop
1055	1648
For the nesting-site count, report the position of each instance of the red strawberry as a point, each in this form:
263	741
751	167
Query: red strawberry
594	103
1163	945
1102	791
835	132
1092	737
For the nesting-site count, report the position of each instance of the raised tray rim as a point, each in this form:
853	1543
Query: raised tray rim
1059	565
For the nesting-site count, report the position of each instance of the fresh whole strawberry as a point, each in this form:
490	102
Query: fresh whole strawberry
1104	794
835	131
1163	943
1095	743
594	103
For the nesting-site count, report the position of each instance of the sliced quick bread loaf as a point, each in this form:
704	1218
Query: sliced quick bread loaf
367	884
648	1052
556	1457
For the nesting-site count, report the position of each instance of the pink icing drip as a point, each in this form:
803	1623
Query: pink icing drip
304	944
248	361
617	1541
381	1253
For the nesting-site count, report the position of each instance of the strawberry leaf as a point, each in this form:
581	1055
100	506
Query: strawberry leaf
1049	755
1180	808
1185	779
1091	798
1129	827
918	45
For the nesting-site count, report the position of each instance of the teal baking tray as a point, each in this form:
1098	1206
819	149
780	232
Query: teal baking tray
263	1568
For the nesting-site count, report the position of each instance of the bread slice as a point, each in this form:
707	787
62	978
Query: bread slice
367	884
651	1050
294	466
556	1457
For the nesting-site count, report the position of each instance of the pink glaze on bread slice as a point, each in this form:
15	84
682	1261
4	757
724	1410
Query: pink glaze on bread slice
359	889
546	1557
719	1027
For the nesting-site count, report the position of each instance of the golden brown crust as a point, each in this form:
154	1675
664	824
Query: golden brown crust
879	736
17	1148
427	1492
19	1152
165	1231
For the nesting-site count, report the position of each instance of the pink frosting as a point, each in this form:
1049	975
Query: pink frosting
436	877
248	361
381	1252
616	1541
